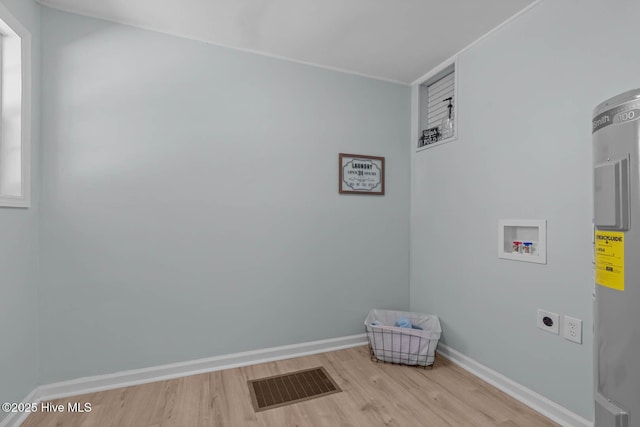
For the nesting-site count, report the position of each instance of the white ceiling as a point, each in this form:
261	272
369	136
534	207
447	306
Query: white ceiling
397	40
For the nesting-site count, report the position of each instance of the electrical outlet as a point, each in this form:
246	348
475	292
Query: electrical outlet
548	321
573	329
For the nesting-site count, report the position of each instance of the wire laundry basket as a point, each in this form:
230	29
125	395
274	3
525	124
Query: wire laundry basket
414	346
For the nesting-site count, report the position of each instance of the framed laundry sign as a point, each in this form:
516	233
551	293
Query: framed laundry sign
359	174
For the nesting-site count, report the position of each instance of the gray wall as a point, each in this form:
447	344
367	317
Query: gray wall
525	100
191	203
19	252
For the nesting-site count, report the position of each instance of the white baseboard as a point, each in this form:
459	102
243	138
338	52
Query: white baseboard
538	402
193	367
15	419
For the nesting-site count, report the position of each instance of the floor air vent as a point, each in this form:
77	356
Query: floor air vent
294	387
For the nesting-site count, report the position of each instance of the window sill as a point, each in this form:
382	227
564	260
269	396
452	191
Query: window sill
436	144
14	202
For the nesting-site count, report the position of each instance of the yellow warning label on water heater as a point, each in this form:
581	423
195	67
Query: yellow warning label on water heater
610	259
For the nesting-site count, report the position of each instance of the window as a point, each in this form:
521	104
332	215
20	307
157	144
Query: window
15	111
437	97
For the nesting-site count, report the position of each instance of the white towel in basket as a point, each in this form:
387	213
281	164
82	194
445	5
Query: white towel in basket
403	345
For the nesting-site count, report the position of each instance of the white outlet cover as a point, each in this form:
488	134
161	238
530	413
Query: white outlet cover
554	320
573	329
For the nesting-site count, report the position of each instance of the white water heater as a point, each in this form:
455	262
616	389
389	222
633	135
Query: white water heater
616	195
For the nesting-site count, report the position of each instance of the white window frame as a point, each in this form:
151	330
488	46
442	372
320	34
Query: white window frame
16	130
430	78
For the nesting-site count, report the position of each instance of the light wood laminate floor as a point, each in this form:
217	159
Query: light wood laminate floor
373	394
